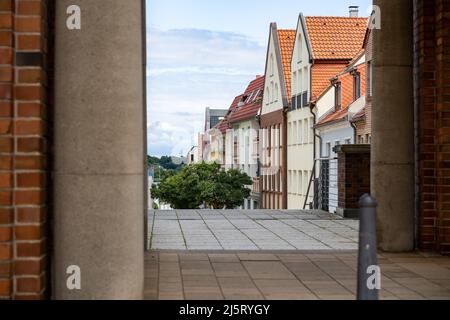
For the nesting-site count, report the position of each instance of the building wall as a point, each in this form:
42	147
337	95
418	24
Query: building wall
25	118
300	148
272	99
364	126
325	102
432	76
246	159
300	152
330	137
273	140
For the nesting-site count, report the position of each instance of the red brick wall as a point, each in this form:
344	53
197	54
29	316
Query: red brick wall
353	174
23	148
432	82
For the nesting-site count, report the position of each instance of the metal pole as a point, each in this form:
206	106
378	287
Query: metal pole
368	269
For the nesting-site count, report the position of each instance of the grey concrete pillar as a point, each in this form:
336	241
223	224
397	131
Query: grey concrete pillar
392	160
99	151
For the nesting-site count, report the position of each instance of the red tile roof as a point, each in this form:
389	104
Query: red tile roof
224	124
336	37
250	109
287	40
334	116
321	76
346	79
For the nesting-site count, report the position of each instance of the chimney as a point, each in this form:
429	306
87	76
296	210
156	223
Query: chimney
353	11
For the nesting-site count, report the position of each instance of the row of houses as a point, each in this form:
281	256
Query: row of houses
283	130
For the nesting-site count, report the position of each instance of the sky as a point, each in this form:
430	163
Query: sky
203	53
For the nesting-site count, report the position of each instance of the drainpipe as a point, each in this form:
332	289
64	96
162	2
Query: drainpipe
354	130
311	107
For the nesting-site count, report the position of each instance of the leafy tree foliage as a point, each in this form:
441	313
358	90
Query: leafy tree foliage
203	184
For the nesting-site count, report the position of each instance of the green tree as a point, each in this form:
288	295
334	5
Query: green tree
203	183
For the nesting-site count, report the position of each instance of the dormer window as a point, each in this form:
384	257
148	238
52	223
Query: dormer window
356	84
337	93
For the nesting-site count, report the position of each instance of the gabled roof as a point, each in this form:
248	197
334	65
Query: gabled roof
336	38
224	124
250	108
286	40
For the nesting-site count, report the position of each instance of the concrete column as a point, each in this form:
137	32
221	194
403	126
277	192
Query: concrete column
99	150
392	160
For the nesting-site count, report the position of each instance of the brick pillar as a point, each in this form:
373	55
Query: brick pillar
23	148
353	177
432	93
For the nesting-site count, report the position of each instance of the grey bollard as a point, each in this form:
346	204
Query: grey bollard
368	270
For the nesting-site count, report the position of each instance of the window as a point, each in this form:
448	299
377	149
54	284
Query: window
328	150
290	180
268	95
356	86
311	130
305	131
294	83
256	95
305	182
369	78
368	138
305	80
276	92
299	82
300	132
298	182
272	96
271	66
338	95
300	48
290	135
294	133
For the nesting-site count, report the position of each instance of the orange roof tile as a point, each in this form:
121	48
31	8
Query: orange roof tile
321	76
347	93
287	41
336	37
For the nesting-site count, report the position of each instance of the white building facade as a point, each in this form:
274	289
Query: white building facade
300	123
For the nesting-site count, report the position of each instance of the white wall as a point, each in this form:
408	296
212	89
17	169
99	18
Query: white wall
272	99
331	136
325	102
299	128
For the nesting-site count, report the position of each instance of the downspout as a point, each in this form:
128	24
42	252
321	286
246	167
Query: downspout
311	107
353	125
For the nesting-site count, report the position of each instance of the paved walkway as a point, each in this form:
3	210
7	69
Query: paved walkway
250	230
288	275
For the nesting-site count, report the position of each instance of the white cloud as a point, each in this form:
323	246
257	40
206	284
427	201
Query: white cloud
188	71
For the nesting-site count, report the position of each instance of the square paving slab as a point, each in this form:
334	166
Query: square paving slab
250	230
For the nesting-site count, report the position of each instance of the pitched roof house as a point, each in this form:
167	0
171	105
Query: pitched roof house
324	46
276	101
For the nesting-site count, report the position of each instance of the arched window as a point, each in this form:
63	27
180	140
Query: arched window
275	98
300	48
272	92
271	66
